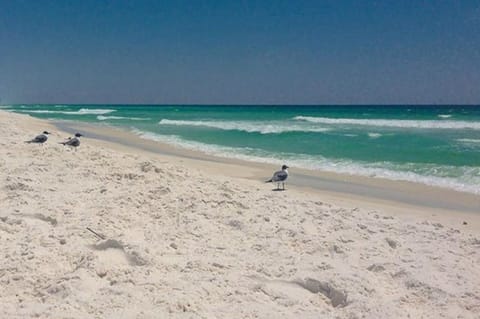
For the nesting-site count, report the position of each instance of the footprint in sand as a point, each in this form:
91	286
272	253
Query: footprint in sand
115	253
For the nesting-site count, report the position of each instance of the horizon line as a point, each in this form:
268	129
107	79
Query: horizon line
248	104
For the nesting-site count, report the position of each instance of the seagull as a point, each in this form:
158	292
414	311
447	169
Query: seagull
42	138
73	141
279	177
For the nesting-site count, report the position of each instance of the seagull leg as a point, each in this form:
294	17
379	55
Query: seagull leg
283	184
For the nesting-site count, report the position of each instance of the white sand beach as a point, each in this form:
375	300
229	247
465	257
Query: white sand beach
181	241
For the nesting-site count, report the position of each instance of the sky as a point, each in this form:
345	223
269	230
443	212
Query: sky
240	52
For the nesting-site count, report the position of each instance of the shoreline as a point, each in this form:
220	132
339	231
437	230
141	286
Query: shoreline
336	184
86	232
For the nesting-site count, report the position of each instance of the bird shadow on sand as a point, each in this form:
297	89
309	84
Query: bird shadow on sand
278	190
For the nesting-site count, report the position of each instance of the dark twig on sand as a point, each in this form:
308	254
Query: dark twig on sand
95	233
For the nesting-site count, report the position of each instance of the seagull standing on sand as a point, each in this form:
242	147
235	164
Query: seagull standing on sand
40	139
279	177
73	141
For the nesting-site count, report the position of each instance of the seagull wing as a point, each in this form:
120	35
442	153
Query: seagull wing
279	176
73	142
42	138
67	142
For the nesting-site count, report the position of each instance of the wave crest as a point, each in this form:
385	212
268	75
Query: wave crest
421	124
79	112
105	118
247	126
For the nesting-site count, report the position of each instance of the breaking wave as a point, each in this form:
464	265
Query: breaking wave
460	178
105	118
422	124
469	143
79	112
469	140
267	127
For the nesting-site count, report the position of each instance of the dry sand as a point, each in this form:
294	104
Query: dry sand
181	243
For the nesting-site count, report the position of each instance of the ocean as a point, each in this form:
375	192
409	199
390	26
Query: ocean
433	145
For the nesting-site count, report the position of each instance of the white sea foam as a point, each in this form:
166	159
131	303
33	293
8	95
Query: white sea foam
79	112
374	135
39	111
469	140
465	179
105	118
93	111
421	124
469	143
444	116
267	127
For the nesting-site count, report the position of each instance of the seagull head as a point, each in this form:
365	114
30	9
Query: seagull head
78	135
284	167
46	133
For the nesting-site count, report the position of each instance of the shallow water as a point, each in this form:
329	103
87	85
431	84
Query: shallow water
434	145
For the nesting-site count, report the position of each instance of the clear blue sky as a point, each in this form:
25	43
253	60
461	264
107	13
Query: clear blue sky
240	52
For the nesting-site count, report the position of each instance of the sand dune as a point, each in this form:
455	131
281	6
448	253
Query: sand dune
179	243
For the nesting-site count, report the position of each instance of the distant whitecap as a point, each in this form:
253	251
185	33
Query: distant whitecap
420	124
266	127
83	111
106	118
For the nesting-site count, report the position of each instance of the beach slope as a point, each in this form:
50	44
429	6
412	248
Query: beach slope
165	239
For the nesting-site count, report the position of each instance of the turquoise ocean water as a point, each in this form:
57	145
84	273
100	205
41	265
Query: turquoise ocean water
434	145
